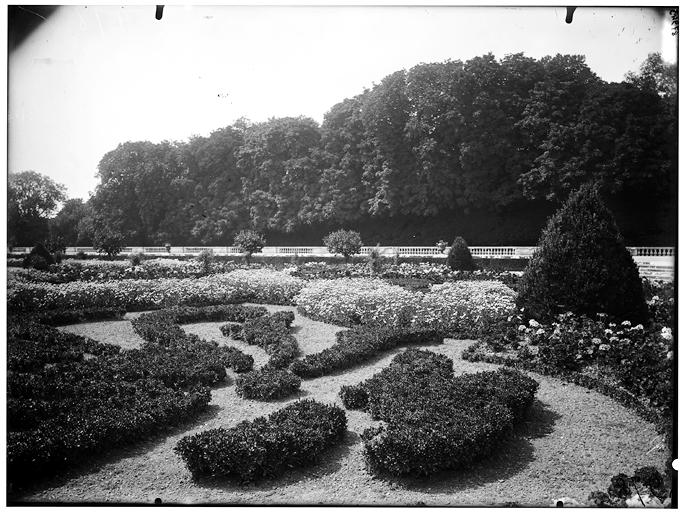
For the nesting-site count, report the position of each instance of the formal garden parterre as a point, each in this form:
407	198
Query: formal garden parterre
376	385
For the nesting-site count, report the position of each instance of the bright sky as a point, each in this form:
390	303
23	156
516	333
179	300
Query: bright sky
92	77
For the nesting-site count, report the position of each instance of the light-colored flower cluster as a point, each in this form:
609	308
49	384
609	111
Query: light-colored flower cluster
462	304
350	301
257	285
262	285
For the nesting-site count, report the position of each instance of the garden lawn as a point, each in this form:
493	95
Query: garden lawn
572	443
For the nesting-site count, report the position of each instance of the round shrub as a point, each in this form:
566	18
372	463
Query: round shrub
343	242
39	258
582	265
267	384
249	242
459	257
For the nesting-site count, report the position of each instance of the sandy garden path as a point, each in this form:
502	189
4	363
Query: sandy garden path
571	444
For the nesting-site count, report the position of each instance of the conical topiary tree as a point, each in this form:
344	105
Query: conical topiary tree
459	257
582	265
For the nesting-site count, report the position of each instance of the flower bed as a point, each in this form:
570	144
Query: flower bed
434	421
294	436
351	302
256	285
619	359
460	308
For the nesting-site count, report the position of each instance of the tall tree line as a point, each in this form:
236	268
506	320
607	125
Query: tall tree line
486	135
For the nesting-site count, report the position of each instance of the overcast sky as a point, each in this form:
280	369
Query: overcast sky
92	77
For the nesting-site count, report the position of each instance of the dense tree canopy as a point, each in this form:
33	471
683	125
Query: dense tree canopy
485	135
31	199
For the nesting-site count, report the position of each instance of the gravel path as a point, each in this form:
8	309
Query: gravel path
572	443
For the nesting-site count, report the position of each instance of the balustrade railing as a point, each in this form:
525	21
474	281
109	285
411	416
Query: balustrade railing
477	251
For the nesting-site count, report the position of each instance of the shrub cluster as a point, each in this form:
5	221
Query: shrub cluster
70	397
357	345
640	359
433	420
646	488
267	383
294	436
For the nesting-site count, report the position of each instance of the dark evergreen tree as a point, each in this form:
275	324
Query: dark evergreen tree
582	265
459	257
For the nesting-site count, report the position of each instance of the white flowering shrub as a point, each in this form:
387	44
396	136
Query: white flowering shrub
256	285
263	285
351	301
460	305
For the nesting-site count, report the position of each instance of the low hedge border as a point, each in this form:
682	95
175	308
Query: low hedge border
357	345
294	436
433	420
75	316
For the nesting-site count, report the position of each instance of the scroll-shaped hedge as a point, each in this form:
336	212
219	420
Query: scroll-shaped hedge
161	329
359	344
294	436
434	421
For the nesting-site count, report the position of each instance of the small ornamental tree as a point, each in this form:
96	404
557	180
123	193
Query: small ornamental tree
343	242
39	258
582	265
249	242
107	241
459	257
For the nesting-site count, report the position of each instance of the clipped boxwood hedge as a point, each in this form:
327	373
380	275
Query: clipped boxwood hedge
272	333
266	447
267	383
434	421
357	345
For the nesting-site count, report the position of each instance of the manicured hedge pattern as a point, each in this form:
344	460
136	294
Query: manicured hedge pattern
434	421
294	436
70	397
356	345
161	328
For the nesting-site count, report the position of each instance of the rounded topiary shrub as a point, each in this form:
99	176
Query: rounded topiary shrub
459	257
582	265
39	258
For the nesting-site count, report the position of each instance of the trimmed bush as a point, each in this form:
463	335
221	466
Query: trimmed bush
459	257
39	258
346	243
357	345
354	397
582	265
434	421
266	447
249	242
267	383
